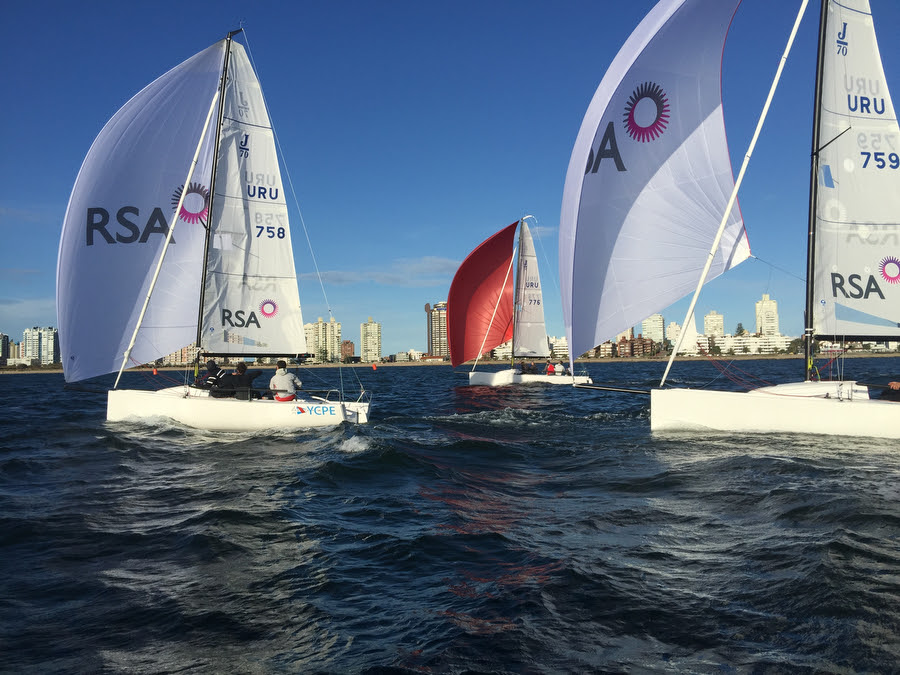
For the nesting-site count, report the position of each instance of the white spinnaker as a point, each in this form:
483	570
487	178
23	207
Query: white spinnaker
118	216
649	177
251	302
857	252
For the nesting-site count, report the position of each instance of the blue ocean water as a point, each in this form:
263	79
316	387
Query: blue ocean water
465	530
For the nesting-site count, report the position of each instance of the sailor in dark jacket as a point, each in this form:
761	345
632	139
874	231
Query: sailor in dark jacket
242	381
212	377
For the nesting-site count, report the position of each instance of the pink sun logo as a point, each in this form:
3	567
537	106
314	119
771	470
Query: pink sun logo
268	308
890	269
195	207
646	94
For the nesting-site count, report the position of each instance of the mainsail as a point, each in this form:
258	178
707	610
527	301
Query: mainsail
856	289
530	332
251	301
634	233
480	301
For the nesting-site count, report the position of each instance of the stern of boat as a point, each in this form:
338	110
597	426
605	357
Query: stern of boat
358	411
355	412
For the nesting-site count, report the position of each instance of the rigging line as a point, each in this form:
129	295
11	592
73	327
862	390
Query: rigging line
127	355
496	306
689	315
554	277
290	183
621	390
780	269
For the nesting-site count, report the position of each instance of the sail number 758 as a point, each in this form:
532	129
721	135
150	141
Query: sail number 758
269	225
881	159
270	231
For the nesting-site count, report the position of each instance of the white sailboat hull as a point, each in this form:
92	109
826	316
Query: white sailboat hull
503	378
834	408
195	408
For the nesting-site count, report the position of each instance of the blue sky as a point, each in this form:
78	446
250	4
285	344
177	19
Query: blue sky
411	132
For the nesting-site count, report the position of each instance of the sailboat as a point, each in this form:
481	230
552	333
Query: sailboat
665	85
176	232
487	306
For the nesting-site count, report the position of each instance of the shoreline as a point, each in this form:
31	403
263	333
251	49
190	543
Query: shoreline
5	370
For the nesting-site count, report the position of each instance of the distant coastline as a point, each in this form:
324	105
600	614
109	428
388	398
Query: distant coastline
7	370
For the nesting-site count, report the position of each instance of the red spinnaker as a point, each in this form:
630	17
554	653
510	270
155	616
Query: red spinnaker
480	302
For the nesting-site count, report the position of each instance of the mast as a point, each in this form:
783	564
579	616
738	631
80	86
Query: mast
809	326
516	298
212	185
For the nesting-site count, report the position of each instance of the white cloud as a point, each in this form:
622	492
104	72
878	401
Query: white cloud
408	272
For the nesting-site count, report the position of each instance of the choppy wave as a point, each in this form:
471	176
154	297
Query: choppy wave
535	529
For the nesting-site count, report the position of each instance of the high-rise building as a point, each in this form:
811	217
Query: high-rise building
370	341
348	350
714	324
436	335
323	340
767	316
653	327
4	349
184	356
559	348
673	330
41	345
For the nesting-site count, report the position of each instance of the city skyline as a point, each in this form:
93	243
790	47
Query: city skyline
405	152
328	334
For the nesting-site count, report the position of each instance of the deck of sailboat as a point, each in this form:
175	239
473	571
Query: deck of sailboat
229	414
840	408
512	376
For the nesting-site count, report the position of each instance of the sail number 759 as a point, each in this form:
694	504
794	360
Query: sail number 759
881	161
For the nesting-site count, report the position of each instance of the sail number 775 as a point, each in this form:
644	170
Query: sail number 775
881	159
